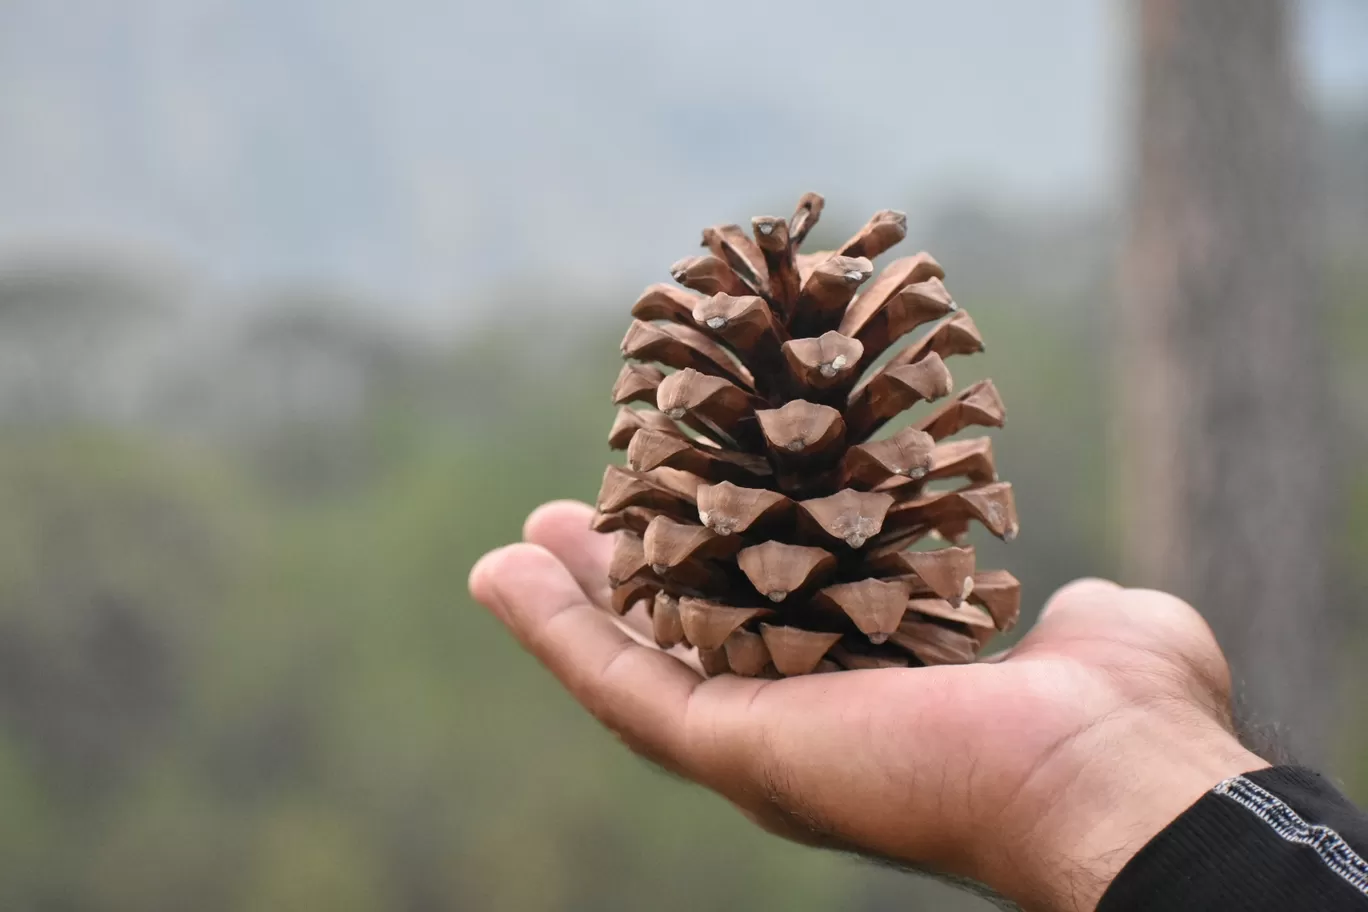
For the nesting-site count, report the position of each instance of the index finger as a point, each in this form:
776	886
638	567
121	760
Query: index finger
562	527
639	693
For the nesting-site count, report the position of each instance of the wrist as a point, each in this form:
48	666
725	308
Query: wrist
1110	791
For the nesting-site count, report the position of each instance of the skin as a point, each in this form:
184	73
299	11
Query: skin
1038	772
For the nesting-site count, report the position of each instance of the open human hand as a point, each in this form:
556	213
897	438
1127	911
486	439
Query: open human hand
1038	772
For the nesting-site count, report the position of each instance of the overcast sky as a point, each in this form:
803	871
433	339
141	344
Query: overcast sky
428	150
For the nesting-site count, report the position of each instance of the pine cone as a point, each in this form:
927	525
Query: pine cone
757	518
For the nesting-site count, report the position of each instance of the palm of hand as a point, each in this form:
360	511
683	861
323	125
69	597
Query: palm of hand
975	770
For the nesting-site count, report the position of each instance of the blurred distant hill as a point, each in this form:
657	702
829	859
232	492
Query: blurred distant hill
152	340
424	150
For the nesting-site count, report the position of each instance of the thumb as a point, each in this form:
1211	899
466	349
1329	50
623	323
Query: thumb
1074	605
1089	595
1100	622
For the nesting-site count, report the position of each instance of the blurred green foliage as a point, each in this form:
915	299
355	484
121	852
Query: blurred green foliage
239	669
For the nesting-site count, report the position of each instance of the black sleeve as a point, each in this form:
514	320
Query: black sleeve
1277	839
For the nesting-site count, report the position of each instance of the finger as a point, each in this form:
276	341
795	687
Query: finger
638	692
562	527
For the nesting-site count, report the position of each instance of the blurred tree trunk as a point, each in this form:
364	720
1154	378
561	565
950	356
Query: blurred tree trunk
1224	433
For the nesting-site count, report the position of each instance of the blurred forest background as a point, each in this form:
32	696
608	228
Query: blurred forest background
305	305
